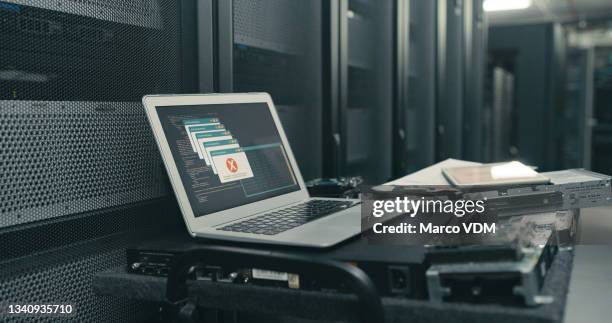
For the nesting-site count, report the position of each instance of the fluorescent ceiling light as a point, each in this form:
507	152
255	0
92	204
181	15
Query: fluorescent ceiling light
500	5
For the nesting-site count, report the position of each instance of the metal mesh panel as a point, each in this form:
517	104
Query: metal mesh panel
284	32
58	158
136	12
22	240
89	50
68	281
277	49
84	147
77	159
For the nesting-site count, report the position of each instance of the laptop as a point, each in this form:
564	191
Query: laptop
235	177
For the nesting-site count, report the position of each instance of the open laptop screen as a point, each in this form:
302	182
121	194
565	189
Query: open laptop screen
227	155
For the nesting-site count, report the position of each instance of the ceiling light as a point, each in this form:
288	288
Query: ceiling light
500	5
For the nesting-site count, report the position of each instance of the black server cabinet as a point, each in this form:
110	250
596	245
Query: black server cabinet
474	65
534	54
500	127
361	88
441	49
414	118
450	79
275	46
577	119
81	175
602	100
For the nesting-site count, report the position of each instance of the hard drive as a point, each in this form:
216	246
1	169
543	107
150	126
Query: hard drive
481	275
568	189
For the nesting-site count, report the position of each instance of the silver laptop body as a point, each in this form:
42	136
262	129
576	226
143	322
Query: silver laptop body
234	174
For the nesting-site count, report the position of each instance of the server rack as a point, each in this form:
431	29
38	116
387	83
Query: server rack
578	114
81	176
275	47
539	99
602	130
414	117
501	117
474	65
358	122
401	59
450	79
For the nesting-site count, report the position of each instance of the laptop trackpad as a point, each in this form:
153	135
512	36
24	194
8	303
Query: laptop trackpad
330	230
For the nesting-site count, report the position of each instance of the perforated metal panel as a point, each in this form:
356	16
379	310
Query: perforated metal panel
135	12
80	174
23	240
68	281
89	50
277	49
58	158
284	29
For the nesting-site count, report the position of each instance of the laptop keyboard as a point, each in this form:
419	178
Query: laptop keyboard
288	218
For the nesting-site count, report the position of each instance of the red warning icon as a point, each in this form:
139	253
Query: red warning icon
231	165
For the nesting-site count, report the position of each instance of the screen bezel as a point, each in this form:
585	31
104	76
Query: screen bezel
204	222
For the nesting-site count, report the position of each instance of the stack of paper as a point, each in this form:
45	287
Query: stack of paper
432	175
